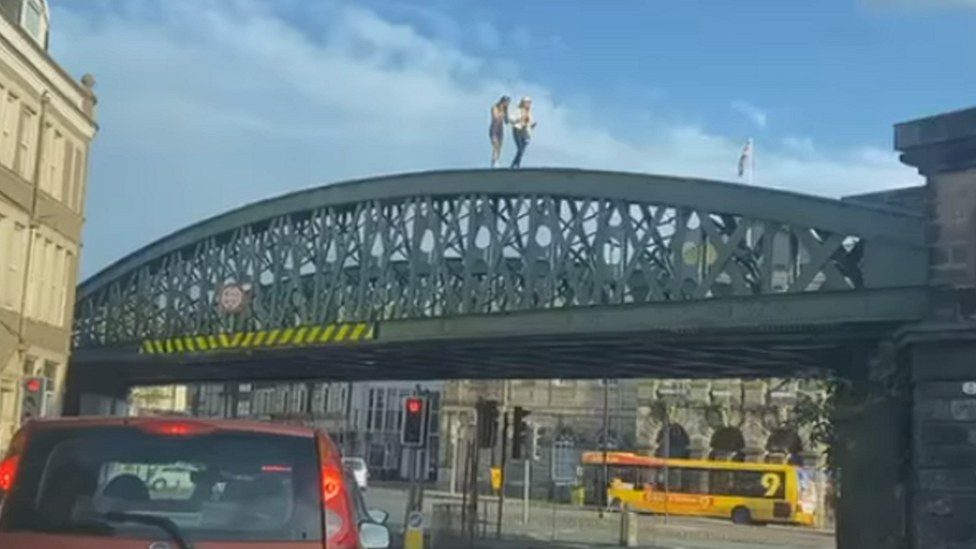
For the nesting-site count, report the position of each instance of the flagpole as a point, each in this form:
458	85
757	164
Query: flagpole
752	162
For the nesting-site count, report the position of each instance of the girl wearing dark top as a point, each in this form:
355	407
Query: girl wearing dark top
496	131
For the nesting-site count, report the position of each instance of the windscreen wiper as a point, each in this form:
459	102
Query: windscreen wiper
162	523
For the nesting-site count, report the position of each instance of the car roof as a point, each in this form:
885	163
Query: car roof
220	424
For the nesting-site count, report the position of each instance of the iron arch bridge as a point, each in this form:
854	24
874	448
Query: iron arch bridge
501	270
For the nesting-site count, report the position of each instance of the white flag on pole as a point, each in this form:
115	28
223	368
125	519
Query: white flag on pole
745	157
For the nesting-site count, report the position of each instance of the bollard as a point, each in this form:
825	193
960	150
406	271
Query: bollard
628	527
413	538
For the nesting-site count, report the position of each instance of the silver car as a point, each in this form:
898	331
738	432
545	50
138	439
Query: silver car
357	467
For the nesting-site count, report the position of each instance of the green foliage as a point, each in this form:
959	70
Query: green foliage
816	412
844	399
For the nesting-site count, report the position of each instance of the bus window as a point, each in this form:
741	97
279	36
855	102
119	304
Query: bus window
694	481
720	482
627	475
683	480
749	484
648	476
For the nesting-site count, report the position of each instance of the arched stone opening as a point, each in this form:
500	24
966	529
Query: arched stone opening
727	444
784	445
677	444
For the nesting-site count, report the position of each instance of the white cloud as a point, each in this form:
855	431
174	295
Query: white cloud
210	104
754	113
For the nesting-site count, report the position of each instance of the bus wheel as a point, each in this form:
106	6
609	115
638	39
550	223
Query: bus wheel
741	515
615	504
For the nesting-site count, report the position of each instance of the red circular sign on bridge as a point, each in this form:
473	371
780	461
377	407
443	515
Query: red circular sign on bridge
231	298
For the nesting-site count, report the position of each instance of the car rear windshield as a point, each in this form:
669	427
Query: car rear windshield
221	486
354	464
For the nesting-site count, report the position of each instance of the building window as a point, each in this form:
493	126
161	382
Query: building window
32	20
68	270
33	272
53	163
24	161
50	373
6	236
565	459
46	282
78	185
57	287
13	283
30	366
8	127
377	405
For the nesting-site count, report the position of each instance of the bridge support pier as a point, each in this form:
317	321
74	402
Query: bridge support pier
943	504
872	428
905	428
942	510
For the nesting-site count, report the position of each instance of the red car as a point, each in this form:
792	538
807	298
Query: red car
92	483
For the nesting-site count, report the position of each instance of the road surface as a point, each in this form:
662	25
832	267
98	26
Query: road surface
562	526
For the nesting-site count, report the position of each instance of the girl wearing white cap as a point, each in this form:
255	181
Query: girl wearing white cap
522	125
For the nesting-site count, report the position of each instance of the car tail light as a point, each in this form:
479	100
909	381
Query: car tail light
176	428
11	462
340	528
8	472
331	483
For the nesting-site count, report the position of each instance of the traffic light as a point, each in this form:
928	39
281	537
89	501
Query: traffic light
487	423
414	431
33	395
520	432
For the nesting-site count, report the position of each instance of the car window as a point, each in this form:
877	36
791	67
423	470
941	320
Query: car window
354	464
224	485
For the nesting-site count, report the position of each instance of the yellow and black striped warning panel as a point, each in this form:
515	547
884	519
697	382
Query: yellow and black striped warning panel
301	336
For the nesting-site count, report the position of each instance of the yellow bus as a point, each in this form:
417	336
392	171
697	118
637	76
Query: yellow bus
746	493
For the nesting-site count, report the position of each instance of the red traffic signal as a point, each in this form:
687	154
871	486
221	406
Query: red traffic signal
414	405
33	385
414	427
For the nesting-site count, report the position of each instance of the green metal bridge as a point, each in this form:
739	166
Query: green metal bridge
506	273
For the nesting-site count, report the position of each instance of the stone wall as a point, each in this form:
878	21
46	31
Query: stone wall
702	414
908	199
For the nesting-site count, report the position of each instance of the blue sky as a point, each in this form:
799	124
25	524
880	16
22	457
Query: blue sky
210	104
836	71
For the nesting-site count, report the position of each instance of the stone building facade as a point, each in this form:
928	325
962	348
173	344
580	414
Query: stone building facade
47	124
751	420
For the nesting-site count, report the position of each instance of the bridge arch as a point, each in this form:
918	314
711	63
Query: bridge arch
464	255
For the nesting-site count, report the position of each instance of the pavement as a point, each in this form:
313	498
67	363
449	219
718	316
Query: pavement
554	526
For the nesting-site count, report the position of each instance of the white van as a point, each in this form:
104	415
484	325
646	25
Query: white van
357	466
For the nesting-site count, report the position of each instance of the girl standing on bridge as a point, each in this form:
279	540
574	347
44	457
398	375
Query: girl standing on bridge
496	131
522	125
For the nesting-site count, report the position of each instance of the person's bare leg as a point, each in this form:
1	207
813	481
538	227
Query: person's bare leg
496	152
